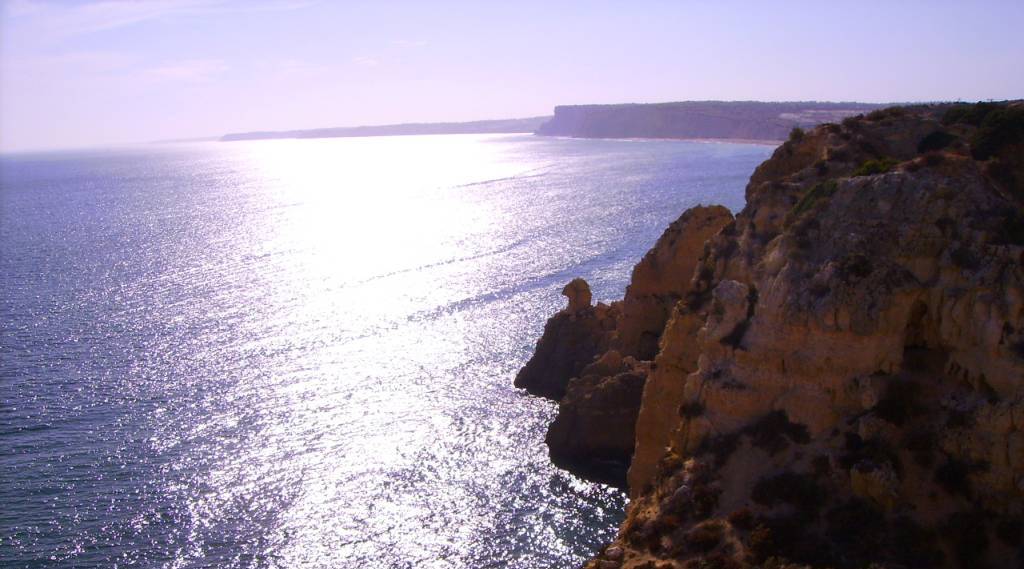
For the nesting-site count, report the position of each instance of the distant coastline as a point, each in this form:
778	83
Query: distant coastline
747	122
527	125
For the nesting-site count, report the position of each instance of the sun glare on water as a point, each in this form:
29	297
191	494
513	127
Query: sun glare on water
360	234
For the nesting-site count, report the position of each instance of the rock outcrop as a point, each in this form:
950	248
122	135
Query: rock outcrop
571	340
594	431
662	278
840	380
595	360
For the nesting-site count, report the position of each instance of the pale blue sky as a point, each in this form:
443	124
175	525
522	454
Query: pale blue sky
89	73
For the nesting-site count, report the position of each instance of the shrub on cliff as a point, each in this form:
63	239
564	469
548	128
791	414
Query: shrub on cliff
1001	127
935	141
968	114
852	122
886	113
774	431
823	190
797	134
875	166
704	537
1007	175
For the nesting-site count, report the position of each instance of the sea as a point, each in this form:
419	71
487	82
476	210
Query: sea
300	353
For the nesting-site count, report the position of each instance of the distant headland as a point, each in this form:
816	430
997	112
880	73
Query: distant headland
737	120
747	120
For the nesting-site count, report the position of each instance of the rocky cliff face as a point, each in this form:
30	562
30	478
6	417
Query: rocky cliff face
695	119
835	377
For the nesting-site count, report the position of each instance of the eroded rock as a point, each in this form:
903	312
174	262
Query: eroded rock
850	349
572	339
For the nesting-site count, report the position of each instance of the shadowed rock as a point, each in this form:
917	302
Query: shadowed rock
571	340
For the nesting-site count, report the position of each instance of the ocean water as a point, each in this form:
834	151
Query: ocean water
300	353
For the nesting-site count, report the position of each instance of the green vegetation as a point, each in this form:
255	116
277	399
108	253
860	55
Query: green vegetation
968	114
999	125
796	135
838	155
1007	175
1000	128
822	190
774	431
888	112
852	122
935	141
872	167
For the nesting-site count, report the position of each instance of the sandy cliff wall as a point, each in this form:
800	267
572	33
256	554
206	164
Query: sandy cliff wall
834	378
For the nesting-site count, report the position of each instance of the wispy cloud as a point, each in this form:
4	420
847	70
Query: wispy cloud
62	20
285	68
79	63
195	70
365	61
408	43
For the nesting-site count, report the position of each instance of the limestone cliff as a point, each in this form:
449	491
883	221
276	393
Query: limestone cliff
752	120
833	379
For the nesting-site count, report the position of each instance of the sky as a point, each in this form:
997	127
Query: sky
78	73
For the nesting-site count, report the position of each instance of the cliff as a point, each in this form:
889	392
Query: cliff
475	127
749	120
834	378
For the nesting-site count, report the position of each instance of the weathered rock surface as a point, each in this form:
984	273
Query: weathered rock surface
662	278
596	360
594	432
571	340
841	382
